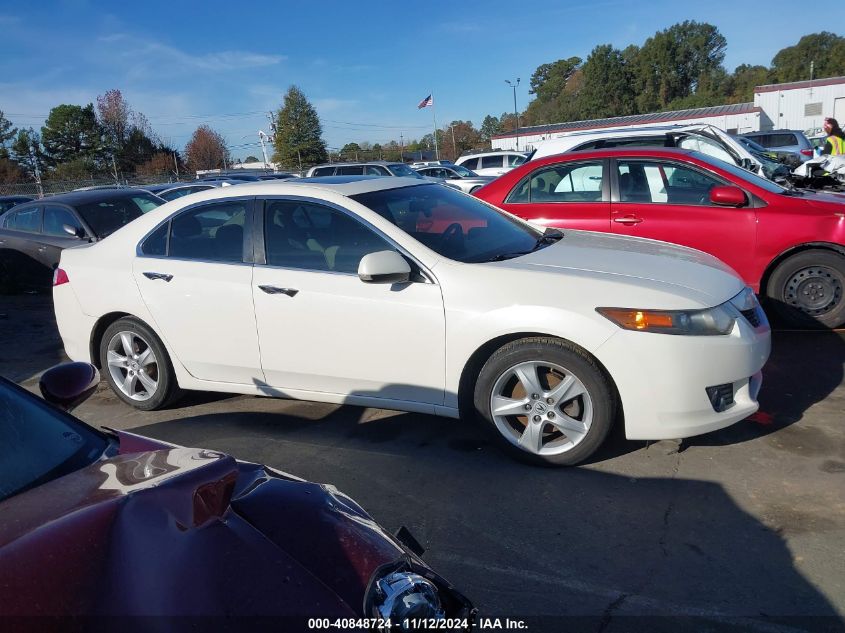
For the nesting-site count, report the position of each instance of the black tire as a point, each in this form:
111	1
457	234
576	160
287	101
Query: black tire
806	290
574	360
167	390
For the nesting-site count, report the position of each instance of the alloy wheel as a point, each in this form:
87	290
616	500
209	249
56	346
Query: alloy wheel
541	407
133	365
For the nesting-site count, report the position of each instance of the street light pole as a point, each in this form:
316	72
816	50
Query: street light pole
515	113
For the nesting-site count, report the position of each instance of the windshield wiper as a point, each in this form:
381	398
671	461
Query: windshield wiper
549	236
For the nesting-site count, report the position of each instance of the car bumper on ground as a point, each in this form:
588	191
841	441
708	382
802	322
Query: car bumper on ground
663	379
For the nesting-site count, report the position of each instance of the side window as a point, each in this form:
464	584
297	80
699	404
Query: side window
9	221
350	170
28	220
323	171
156	243
55	218
313	237
580	182
706	146
515	161
211	233
782	140
471	163
491	162
641	181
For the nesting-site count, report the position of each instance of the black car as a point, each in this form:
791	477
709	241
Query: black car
7	202
33	234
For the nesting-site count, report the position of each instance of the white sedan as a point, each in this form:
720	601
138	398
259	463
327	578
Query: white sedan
402	294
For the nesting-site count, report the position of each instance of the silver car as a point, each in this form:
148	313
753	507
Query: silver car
456	176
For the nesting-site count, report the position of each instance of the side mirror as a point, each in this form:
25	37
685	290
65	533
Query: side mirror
68	385
75	231
749	164
384	267
727	196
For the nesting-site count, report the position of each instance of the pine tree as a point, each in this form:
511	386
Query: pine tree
298	135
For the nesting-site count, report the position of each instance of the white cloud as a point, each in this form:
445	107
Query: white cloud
148	56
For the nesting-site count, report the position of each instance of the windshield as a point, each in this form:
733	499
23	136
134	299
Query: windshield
400	169
39	443
463	171
451	223
106	216
742	174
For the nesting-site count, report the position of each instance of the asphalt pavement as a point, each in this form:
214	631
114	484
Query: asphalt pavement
742	528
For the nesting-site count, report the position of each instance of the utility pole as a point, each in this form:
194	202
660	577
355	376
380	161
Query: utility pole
515	112
114	170
454	147
37	170
261	136
176	165
401	148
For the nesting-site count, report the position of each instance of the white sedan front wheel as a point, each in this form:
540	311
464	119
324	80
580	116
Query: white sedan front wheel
548	400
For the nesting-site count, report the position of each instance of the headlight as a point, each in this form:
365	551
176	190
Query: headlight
404	595
707	322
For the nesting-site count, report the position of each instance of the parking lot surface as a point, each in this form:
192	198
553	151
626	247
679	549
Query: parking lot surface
740	528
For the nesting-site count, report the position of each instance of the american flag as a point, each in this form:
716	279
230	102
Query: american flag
428	102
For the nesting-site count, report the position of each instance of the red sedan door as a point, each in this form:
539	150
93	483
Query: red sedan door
573	195
670	201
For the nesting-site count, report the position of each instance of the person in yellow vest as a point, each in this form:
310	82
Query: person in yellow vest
834	145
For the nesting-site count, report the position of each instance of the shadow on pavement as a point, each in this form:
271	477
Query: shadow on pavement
522	541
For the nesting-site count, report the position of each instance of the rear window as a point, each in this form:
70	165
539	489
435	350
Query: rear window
323	171
108	215
782	140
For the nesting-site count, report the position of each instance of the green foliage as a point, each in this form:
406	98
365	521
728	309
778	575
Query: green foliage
27	151
607	89
7	133
298	135
350	151
72	133
490	126
825	49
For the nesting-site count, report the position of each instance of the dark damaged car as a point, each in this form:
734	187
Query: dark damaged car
101	525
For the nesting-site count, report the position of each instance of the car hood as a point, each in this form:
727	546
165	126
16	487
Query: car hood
825	200
686	271
117	536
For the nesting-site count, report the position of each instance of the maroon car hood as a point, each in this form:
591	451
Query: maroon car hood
180	531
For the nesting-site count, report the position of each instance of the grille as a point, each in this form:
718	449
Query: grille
752	316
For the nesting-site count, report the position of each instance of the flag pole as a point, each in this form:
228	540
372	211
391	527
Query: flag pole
434	116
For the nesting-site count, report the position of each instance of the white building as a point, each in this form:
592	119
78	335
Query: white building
800	105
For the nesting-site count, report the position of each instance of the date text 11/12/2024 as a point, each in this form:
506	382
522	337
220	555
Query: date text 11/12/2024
421	624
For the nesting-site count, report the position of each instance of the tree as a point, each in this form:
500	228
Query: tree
549	80
298	134
72	133
251	159
7	133
826	50
114	117
606	90
206	150
490	126
350	151
671	63
28	153
10	172
739	87
161	165
460	136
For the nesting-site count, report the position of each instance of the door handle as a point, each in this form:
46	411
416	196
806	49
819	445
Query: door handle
155	276
41	249
275	290
628	219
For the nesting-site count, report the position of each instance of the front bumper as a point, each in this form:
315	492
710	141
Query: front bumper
662	379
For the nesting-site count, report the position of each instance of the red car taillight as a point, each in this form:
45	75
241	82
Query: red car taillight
60	277
807	152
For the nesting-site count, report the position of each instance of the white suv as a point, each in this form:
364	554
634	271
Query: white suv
494	163
706	139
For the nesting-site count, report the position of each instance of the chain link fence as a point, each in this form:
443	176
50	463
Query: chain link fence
52	187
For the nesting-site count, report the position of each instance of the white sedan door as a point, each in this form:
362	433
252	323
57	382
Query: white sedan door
196	284
324	330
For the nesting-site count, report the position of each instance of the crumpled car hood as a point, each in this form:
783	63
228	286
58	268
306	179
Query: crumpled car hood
180	531
704	276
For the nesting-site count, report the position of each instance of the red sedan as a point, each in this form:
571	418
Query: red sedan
788	245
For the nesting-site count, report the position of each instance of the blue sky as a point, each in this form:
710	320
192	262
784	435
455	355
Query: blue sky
364	66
